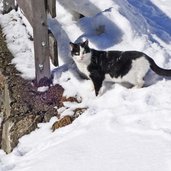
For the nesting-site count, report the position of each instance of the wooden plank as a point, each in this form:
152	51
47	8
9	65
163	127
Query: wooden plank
41	41
53	49
26	7
8	5
52	7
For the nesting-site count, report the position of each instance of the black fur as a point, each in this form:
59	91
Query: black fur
157	69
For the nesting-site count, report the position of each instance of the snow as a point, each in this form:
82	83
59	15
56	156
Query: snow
122	129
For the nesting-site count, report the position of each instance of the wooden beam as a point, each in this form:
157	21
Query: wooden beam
8	5
45	44
52	7
26	7
41	41
53	49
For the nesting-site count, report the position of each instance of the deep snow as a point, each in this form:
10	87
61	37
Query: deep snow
123	129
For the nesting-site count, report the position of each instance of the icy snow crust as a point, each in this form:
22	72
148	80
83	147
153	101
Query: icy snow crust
123	129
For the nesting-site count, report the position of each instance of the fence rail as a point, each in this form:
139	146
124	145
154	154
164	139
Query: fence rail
45	44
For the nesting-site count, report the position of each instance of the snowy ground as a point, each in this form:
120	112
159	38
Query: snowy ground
123	129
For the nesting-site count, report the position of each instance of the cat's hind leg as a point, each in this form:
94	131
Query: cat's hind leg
139	71
139	84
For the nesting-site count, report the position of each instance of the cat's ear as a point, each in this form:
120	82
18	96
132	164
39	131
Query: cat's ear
86	43
71	45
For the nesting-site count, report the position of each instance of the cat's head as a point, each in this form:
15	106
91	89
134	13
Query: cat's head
80	51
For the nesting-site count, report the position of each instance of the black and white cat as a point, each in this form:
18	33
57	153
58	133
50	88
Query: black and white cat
117	66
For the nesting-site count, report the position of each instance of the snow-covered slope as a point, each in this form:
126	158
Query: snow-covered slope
123	129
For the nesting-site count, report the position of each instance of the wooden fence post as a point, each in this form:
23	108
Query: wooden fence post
26	7
45	44
52	7
41	40
53	49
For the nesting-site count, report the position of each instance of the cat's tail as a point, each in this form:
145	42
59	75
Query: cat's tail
157	69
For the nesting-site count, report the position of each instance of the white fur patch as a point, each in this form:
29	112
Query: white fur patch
135	76
82	61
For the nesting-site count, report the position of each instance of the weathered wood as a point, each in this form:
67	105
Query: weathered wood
53	49
26	7
41	41
8	5
52	7
45	44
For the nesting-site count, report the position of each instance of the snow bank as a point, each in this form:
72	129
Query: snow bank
19	44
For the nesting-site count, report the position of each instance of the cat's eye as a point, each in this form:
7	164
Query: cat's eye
76	53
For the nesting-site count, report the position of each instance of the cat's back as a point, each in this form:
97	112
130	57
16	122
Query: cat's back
132	54
98	53
109	59
117	54
105	56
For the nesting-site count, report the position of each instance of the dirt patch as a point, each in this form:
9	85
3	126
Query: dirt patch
22	107
24	97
